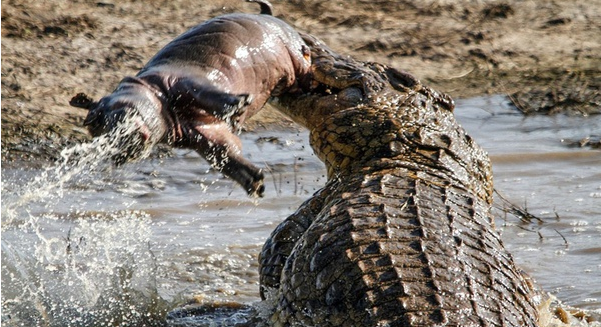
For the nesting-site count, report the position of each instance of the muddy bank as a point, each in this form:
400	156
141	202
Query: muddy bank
544	55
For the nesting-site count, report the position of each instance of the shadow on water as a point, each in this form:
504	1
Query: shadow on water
87	244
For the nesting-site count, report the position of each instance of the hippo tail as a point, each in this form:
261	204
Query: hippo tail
266	7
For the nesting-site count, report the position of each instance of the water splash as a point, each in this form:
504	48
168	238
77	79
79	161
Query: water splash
101	273
553	313
83	160
78	269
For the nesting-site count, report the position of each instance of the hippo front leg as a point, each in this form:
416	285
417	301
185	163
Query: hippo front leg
222	149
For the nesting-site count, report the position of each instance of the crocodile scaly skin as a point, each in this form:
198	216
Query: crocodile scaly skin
402	233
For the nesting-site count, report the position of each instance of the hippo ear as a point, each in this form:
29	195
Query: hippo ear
81	100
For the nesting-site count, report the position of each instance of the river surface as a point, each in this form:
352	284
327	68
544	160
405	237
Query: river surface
95	245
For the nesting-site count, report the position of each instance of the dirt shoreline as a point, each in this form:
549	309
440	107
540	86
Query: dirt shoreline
543	54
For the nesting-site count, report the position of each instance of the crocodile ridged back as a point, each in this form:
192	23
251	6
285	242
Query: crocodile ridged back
402	234
400	251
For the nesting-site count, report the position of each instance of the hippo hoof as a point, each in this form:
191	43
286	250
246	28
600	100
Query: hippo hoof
257	186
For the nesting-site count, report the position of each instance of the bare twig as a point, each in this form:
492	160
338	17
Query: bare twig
275	185
295	176
521	213
565	241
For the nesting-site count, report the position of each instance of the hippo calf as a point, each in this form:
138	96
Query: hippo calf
197	90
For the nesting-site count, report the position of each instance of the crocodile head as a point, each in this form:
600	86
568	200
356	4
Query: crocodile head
366	116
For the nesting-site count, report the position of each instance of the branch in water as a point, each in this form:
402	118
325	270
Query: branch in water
521	213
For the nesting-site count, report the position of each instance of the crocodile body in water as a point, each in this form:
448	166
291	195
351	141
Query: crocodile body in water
402	233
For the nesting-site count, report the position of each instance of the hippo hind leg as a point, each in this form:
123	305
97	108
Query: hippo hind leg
221	148
246	174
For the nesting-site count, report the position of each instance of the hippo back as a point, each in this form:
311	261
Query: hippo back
239	53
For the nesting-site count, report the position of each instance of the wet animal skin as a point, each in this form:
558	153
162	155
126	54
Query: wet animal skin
197	90
402	232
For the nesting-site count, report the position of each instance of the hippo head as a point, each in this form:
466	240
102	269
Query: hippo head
129	114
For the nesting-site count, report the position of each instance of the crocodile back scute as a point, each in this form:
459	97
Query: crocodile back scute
403	129
402	252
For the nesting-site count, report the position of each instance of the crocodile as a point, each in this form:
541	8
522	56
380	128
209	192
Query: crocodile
402	233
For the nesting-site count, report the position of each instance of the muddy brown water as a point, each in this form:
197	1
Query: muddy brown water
104	246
